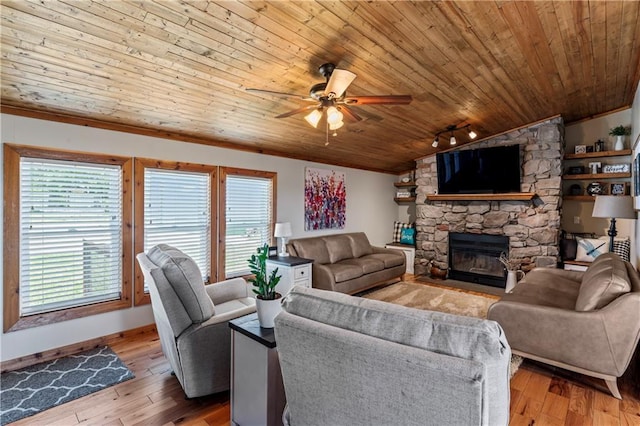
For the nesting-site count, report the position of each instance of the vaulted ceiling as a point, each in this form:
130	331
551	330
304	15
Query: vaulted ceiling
179	69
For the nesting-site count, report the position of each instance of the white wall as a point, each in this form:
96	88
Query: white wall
370	208
587	133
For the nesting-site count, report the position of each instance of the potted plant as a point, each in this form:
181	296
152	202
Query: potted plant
619	132
267	299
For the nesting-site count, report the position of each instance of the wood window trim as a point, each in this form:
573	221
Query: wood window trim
140	164
222	204
11	274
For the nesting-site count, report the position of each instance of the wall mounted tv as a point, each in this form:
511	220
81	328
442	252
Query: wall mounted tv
479	171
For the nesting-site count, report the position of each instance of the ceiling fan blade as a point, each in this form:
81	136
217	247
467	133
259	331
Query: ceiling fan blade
350	114
280	94
378	100
297	111
338	82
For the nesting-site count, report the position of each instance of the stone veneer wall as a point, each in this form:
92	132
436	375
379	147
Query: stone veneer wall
532	226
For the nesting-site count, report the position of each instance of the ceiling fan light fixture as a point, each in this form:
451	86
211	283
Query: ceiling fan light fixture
336	126
334	116
314	117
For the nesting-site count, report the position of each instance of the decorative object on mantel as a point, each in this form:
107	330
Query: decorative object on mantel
614	207
452	139
267	299
620	132
282	232
580	149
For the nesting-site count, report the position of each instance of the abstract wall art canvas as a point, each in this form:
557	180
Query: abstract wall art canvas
325	199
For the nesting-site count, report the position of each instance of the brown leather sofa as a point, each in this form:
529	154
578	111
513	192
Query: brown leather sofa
348	263
587	322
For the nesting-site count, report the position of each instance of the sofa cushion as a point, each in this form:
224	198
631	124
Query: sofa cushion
344	271
339	247
368	264
604	280
390	259
360	245
184	276
312	248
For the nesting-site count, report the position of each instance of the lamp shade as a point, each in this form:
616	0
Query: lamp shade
614	206
282	230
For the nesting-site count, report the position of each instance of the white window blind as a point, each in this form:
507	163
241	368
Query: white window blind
70	234
177	212
248	220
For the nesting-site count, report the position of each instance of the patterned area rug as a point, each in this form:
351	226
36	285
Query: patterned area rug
33	389
441	299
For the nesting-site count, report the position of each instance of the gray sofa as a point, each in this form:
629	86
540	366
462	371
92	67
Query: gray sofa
587	322
348	263
346	360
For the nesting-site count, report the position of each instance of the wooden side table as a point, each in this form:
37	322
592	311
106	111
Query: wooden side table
257	391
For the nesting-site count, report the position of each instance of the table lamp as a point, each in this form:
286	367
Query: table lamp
613	206
282	232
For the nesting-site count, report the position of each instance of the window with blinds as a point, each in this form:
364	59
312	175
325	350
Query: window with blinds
70	234
248	218
177	211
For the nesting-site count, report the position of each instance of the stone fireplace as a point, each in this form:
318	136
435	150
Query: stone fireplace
531	226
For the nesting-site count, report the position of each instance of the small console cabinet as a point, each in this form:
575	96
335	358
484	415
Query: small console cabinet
294	271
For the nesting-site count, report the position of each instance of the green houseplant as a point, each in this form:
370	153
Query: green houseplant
267	299
619	132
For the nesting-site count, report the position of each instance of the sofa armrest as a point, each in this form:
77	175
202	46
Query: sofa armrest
601	340
322	277
223	291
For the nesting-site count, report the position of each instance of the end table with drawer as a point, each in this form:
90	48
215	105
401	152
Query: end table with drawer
294	271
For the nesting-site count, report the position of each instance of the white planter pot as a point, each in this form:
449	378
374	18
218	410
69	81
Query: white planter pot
267	310
619	145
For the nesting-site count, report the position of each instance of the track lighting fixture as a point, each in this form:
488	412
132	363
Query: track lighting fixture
452	139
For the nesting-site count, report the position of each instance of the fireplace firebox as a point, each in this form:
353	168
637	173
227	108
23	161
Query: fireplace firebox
474	258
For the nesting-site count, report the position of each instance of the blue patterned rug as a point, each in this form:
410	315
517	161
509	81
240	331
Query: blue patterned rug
33	389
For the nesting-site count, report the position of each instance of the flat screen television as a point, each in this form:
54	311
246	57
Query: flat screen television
479	171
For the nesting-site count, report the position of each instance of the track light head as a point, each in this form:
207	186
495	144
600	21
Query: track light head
435	143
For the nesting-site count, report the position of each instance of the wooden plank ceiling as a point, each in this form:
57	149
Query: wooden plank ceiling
179	69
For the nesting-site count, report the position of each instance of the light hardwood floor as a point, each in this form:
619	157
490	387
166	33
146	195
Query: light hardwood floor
540	395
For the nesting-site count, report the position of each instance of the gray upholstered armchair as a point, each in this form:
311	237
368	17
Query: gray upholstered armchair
192	319
587	322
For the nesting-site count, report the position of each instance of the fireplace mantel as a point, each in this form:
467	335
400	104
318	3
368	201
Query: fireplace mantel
510	196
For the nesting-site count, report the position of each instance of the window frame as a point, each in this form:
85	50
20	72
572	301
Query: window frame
140	165
222	204
12	320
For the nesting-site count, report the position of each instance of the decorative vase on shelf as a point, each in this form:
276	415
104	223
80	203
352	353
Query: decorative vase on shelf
619	145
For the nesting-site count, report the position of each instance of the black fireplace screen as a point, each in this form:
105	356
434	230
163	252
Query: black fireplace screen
474	258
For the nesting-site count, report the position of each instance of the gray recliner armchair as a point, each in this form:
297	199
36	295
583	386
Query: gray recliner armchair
192	318
587	322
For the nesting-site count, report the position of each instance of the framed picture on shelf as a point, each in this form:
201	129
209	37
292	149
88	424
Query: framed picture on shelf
581	149
618	188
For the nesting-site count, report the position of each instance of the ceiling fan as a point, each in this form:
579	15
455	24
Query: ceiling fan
330	97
